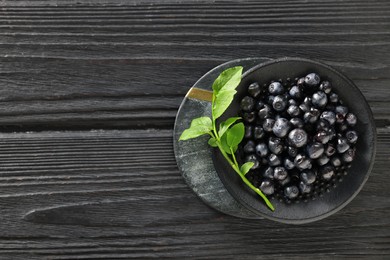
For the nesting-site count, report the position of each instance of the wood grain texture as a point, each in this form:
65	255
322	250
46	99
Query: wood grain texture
88	95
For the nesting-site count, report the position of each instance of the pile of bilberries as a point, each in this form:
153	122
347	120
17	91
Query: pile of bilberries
299	135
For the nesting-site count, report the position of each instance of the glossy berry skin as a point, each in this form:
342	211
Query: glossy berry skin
274	160
269	99
323	124
297	137
304	188
249	147
253	158
335	161
302	162
301	81
326	172
333	98
330	150
254	89
288	164
259	105
296	92
325	86
264	113
275	88
312	80
293	110
314	150
296	122
292	151
285	181
247	104
268	172
341	112
292	102
308	176
322	137
249	117
351	119
348	156
323	159
311	116
248	131
275	145
329	116
267	187
279	103
261	150
280	173
304	107
351	136
281	127
319	99
291	192
258	132
342	145
268	124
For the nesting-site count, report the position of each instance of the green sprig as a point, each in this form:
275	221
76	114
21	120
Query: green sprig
230	132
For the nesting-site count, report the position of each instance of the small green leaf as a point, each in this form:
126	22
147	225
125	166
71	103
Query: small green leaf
235	134
222	101
199	126
224	144
212	142
226	124
245	168
228	79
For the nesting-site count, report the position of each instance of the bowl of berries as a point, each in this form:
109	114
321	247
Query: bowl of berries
309	138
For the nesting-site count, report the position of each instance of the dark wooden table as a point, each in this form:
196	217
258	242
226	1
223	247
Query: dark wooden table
89	91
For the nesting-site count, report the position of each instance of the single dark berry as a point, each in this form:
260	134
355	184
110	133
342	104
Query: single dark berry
249	131
275	88
335	161
253	158
301	81
261	150
304	188
268	124
323	159
269	99
312	79
323	124
258	132
275	145
314	150
288	164
293	110
308	176
292	102
296	92
254	89
291	192
342	145
307	101
247	104
325	86
348	156
264	112
330	150
329	116
267	187
249	117
333	97
322	137
327	172
351	119
268	172
285	181
279	103
351	136
249	147
297	137
296	122
311	116
319	99
292	151
302	162
341	112
281	127
304	107
274	160
280	173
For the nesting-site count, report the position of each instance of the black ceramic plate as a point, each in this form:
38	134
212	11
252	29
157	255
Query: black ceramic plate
341	195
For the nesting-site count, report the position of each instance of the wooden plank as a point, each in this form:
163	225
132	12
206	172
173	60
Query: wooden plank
119	195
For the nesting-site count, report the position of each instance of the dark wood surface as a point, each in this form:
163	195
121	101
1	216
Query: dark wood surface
88	95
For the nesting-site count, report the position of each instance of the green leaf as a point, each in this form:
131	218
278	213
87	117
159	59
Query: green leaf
212	142
235	135
222	101
245	168
199	126
226	124
228	79
224	144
